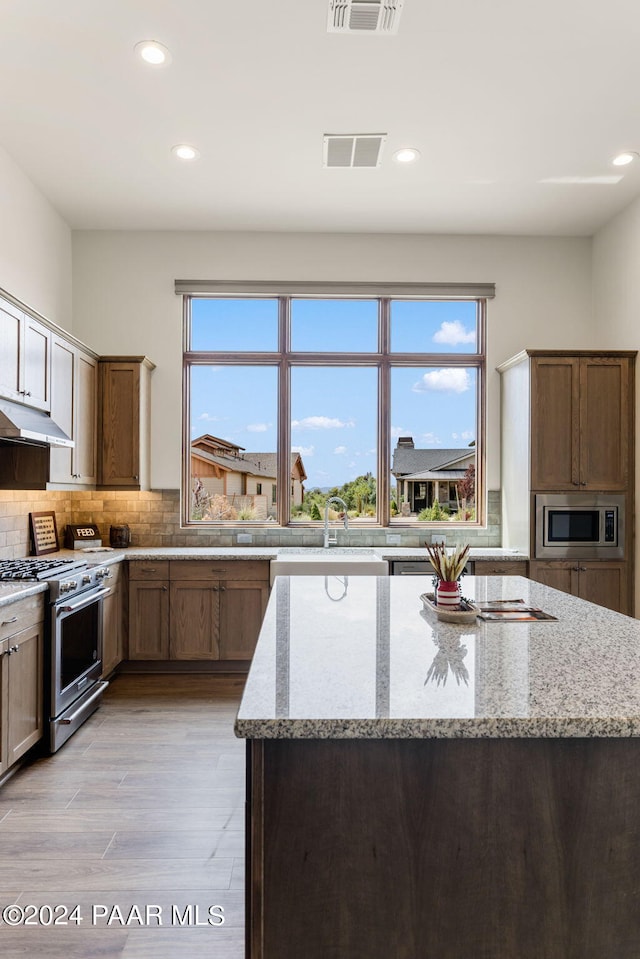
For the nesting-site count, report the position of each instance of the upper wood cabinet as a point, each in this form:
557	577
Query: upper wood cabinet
25	358
581	421
74	390
124	403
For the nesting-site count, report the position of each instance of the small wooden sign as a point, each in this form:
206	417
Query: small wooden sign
43	532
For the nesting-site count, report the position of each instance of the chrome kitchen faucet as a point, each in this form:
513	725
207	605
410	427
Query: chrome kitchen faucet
331	538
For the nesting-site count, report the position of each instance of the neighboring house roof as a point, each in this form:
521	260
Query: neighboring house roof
435	475
408	462
210	449
266	463
213	444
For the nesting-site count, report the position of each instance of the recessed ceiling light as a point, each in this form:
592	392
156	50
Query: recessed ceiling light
623	158
153	52
185	152
406	155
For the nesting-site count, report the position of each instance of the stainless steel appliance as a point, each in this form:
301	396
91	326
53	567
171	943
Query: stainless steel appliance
579	526
73	641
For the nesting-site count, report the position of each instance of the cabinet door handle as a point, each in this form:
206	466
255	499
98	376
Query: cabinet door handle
219	570
575	482
136	477
222	589
7	622
14	649
164	589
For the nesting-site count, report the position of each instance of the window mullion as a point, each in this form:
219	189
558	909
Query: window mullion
383	505
283	471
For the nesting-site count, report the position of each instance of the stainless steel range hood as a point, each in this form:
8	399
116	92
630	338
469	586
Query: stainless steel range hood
22	424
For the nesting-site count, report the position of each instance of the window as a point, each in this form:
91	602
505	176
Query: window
376	396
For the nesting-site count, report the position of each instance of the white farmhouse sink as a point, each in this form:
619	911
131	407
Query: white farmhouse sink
327	562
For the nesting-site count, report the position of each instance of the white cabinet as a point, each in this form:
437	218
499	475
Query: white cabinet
25	358
74	386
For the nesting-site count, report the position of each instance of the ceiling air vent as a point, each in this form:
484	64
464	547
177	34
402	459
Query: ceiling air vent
353	149
360	16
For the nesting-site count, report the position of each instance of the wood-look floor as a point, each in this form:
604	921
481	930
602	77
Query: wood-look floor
143	806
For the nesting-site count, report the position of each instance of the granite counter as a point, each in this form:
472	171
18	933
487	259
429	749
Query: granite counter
417	789
365	660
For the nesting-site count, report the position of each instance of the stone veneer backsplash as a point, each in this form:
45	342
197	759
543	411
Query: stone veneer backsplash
154	520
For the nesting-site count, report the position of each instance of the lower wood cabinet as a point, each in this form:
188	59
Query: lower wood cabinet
196	610
505	567
21	670
113	622
604	583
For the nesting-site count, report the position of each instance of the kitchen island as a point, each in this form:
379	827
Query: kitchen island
418	789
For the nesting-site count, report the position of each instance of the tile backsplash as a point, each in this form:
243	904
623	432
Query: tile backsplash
154	519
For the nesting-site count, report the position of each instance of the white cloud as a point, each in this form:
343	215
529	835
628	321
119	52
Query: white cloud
453	333
431	438
450	380
397	431
320	423
209	418
465	435
303	450
258	427
340	449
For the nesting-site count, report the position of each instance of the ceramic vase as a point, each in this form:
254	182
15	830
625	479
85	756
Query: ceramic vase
448	593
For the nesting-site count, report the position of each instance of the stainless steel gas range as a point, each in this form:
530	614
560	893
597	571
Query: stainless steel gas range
73	640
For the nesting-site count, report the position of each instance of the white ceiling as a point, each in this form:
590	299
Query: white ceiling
497	95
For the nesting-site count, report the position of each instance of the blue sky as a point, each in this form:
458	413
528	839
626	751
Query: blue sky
333	409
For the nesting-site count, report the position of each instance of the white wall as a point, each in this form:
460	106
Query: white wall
35	247
616	308
123	299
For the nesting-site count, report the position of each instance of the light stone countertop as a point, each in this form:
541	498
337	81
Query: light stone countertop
270	552
359	659
12	592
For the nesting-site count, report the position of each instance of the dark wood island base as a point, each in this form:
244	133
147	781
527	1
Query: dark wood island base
443	849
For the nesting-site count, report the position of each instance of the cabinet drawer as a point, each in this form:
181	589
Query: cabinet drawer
501	568
149	569
21	614
202	569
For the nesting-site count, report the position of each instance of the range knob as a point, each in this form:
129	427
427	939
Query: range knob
86	580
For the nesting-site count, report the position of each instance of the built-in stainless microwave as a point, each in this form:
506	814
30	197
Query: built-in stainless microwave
579	526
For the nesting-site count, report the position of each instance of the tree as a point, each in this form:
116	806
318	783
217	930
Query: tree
467	486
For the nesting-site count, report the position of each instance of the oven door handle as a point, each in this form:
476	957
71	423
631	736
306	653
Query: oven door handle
72	607
100	688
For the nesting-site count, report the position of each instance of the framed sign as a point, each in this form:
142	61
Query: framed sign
43	533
